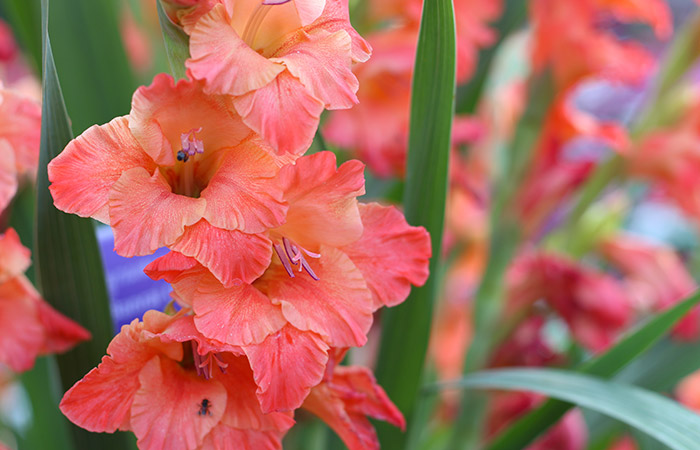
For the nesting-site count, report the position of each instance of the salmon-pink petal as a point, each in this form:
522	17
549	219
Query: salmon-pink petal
221	58
361	394
336	17
308	10
170	266
283	112
15	258
227	438
354	429
145	214
232	256
158	118
167	412
83	174
322	201
8	174
61	332
101	401
321	61
286	366
183	330
244	194
20	127
392	255
243	408
22	335
338	306
239	315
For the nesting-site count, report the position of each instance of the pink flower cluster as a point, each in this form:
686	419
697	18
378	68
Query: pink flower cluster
276	267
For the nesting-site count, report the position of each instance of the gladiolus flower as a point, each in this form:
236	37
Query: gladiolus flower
20	126
29	326
566	36
282	63
688	391
345	398
174	389
181	171
335	262
655	276
595	306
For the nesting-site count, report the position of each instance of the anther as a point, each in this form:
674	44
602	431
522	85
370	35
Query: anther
290	254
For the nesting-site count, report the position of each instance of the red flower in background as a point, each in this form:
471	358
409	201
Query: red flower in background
29	326
595	306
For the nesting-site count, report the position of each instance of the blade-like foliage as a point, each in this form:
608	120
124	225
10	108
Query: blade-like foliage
655	415
97	78
177	44
406	328
69	268
606	365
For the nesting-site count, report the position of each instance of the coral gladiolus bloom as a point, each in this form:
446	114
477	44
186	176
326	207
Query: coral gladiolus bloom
180	170
335	262
578	48
175	390
345	398
655	276
594	305
282	63
20	126
29	326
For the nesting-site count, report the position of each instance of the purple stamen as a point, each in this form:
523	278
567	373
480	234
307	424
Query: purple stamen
294	255
190	144
275	2
204	365
285	261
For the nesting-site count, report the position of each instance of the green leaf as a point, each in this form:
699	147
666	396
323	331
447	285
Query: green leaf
96	75
177	43
406	328
655	415
525	430
69	268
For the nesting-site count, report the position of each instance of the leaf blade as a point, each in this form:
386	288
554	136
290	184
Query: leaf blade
526	429
69	268
432	110
657	416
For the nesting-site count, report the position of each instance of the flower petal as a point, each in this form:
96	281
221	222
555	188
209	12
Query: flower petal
8	174
158	118
338	306
15	258
22	334
221	58
227	438
232	256
167	412
244	194
361	394
392	255
286	366
337	17
83	174
239	315
243	408
145	215
322	201
321	61
283	112
309	10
